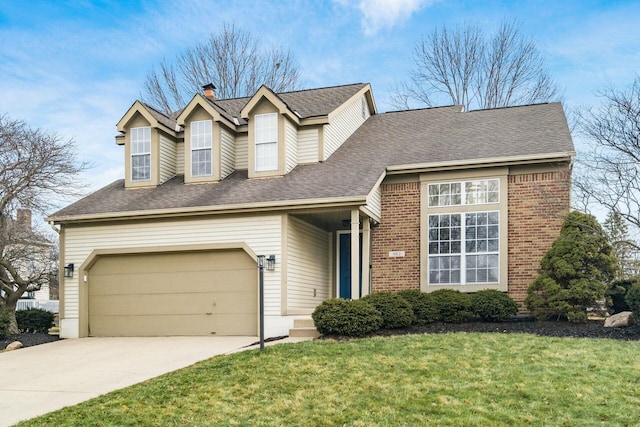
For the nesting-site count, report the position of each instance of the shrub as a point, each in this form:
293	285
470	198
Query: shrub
633	300
616	294
493	305
4	323
351	318
34	320
423	306
574	273
395	310
453	306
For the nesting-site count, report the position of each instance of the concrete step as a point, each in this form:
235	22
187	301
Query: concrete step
303	323
304	332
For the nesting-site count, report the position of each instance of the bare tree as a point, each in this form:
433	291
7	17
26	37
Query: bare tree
35	167
608	174
233	60
465	67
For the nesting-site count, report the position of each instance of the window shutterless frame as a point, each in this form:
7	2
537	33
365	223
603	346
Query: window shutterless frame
266	142
140	141
201	148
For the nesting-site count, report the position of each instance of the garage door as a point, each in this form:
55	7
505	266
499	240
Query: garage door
186	293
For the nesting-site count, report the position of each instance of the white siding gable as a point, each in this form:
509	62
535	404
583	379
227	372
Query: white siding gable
343	125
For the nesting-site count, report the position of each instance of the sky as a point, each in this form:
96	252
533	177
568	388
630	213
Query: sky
75	67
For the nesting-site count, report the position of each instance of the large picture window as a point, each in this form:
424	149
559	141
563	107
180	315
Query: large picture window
464	248
201	141
140	154
266	141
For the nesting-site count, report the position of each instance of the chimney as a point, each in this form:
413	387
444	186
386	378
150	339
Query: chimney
24	218
210	91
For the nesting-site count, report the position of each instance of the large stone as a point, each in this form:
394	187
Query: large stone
14	346
620	320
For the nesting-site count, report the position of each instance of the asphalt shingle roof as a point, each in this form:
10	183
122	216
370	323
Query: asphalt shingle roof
423	136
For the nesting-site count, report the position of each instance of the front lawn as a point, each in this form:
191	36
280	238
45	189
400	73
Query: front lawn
453	379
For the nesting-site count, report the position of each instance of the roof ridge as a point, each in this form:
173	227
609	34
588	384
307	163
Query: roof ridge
156	110
319	88
421	109
514	106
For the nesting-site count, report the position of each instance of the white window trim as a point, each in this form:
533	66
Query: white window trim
134	150
463	250
207	147
463	192
258	140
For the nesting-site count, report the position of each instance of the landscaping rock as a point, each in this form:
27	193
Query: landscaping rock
14	346
620	320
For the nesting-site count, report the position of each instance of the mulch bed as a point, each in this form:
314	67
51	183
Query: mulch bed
591	329
28	339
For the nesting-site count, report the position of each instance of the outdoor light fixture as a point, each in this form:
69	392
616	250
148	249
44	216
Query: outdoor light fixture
271	262
261	261
68	270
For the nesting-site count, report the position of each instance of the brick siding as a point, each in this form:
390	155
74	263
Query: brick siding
398	231
537	204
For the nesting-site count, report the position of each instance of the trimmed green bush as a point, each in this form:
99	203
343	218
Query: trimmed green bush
351	318
633	300
423	306
4	323
395	310
574	273
616	294
493	305
34	320
453	306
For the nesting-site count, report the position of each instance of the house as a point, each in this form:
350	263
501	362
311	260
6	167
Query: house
32	256
346	200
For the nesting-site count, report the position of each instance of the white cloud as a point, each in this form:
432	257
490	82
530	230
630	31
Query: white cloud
379	14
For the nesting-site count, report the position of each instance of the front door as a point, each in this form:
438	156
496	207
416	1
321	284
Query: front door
344	265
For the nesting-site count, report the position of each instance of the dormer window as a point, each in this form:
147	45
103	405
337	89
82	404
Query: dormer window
201	143
141	154
266	140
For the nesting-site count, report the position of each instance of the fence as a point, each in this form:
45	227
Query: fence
51	306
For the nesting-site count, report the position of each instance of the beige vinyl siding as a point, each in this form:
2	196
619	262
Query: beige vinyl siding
242	151
308	145
374	201
228	155
308	266
261	233
291	147
167	159
180	158
342	126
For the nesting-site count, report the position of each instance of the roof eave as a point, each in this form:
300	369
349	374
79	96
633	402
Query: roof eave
566	156
283	205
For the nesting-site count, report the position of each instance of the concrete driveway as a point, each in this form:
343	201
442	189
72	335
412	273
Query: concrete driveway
40	379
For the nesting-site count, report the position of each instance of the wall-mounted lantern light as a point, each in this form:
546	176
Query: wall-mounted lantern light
271	263
68	270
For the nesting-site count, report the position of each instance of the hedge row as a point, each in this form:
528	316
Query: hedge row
389	310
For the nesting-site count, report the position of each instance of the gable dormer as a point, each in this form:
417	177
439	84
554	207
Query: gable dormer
149	138
209	141
272	135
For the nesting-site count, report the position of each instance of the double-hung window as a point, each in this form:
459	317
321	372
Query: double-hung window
201	148
464	246
141	154
266	141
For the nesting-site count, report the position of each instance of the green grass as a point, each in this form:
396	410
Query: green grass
454	380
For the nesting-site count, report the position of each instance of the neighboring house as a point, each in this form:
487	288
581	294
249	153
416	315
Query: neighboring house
348	201
31	254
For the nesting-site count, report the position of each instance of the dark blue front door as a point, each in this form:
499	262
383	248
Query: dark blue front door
344	267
